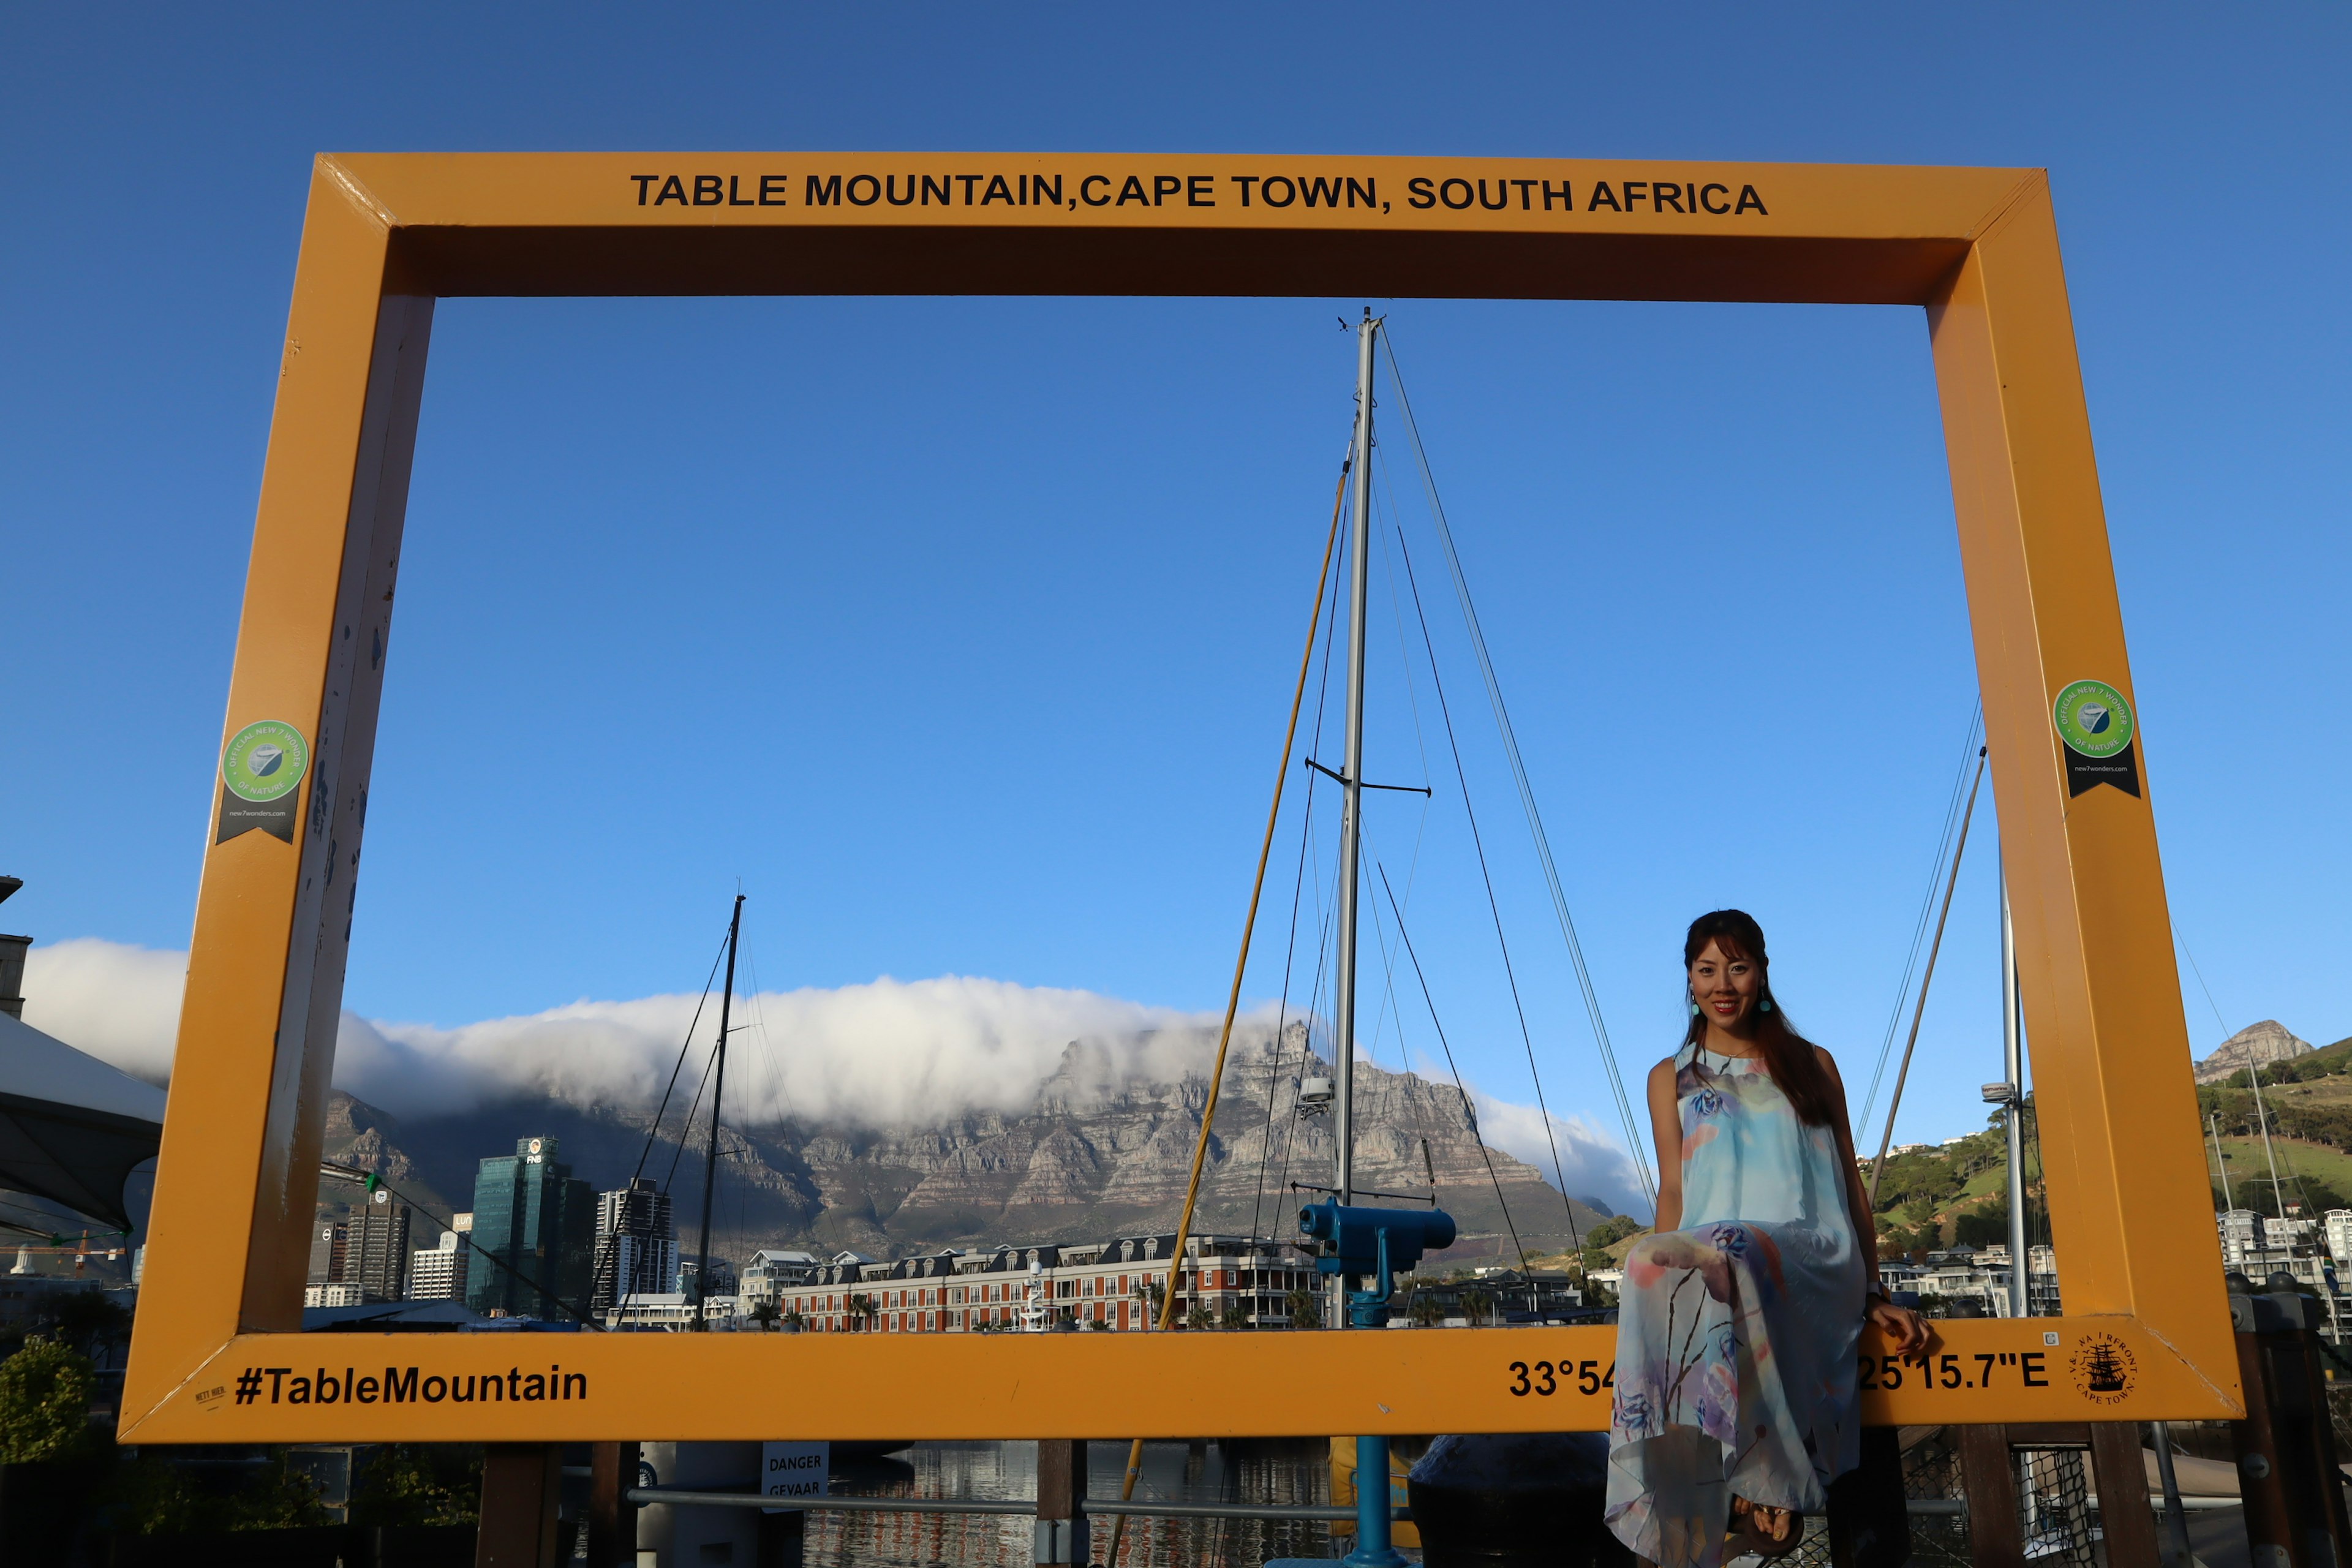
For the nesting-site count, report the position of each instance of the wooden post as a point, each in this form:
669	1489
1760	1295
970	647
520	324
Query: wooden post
612	1517
1989	1475
783	1539
2121	1477
1062	1536
522	1485
2285	1447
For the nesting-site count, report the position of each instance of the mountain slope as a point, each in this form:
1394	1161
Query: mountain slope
1097	1154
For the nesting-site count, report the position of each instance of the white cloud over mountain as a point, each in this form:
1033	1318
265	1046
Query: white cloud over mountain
886	1054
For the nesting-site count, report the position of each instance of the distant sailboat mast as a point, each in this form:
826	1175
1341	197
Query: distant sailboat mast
1343	1010
701	1320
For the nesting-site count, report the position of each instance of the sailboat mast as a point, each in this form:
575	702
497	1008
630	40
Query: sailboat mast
2012	1052
701	1323
1343	1033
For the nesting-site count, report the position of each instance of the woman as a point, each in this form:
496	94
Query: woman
1738	1318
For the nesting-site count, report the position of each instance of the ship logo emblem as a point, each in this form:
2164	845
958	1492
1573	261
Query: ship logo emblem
2104	1368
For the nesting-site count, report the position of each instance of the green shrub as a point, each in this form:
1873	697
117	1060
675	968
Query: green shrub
44	1394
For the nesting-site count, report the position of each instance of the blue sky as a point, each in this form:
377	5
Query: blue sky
961	630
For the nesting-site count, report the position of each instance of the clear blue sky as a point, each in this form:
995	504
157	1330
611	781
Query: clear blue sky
960	630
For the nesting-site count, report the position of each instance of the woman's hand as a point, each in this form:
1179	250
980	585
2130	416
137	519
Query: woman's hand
1907	1331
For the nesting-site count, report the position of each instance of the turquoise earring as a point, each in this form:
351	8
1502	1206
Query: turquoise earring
1764	1004
1693	1005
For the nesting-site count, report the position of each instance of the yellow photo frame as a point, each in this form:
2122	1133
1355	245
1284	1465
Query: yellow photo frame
216	1345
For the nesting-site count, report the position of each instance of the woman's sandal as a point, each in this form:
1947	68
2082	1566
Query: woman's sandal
1763	1531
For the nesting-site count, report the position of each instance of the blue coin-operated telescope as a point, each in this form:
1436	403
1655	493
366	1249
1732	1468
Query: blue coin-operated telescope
1371	1244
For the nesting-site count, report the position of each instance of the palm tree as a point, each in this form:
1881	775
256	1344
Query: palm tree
1423	1311
862	1310
793	1323
1198	1316
1476	1305
1236	1316
1306	1308
765	1314
1151	1293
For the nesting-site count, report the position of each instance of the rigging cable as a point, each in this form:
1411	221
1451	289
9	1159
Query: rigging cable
1290	944
1469	1110
1494	908
654	1131
1233	997
1895	1101
1326	906
1926	902
1526	790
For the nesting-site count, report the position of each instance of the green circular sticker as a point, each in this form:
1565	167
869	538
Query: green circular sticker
2094	719
264	762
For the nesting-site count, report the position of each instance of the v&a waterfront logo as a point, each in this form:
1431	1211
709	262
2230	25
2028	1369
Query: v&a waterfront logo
2103	1368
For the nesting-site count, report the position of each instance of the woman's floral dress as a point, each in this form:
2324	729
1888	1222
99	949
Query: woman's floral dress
1736	1335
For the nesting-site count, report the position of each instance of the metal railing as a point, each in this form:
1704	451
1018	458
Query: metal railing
685	1496
641	1497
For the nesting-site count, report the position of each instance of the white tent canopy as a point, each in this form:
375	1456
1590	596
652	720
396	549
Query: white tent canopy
72	1129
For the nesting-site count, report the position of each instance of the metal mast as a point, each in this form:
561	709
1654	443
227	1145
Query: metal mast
2262	1114
1359	541
701	1323
2012	1049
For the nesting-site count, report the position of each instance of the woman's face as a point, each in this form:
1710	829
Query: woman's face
1725	988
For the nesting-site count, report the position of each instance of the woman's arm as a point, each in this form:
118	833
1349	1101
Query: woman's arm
1907	1329
1666	1135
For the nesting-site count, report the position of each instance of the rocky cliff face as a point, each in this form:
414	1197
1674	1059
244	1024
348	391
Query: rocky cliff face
1099	1154
2265	1043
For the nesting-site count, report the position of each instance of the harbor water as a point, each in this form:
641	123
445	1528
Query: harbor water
1249	1470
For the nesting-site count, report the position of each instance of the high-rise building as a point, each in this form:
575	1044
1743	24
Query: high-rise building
534	1236
438	1273
636	1245
375	1256
329	1242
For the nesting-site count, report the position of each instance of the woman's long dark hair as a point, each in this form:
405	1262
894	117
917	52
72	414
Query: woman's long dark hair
1788	1055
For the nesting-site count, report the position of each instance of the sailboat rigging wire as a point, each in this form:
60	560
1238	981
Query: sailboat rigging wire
1526	790
2200	980
1469	1110
1241	967
1895	1101
1926	902
1420	827
653	1132
1388	964
1290	943
1493	907
1324	906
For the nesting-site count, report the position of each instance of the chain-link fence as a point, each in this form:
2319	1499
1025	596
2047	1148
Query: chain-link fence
2054	1504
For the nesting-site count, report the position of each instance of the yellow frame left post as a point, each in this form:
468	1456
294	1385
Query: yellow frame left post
273	928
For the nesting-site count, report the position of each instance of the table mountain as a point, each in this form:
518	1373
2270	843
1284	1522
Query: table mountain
1098	1154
